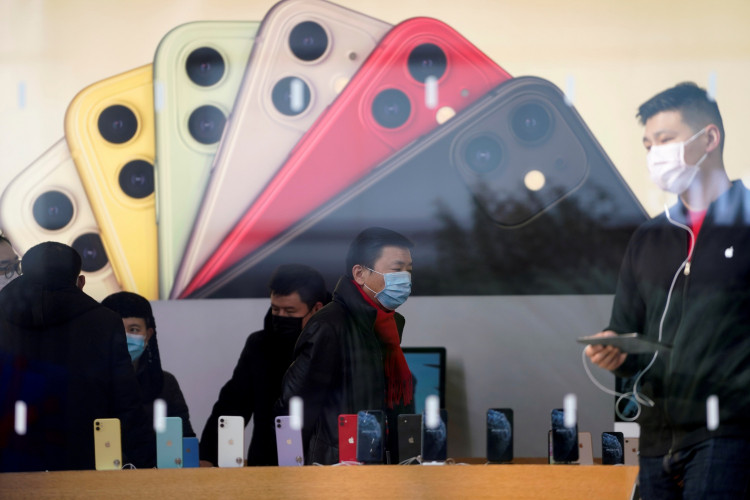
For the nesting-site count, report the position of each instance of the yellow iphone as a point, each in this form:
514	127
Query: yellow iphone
109	127
107	444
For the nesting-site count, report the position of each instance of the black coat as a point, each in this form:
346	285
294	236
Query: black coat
251	393
338	369
66	356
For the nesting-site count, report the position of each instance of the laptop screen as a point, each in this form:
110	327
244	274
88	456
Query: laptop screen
427	365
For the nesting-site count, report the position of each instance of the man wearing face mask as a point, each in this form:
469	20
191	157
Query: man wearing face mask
297	292
349	356
8	262
155	383
685	280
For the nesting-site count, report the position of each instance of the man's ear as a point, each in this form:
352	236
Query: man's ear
317	307
359	274
714	137
81	281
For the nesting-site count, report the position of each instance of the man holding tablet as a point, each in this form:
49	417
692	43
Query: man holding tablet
685	282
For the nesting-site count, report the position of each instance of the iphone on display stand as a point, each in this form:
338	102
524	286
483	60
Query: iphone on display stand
500	435
304	54
107	444
421	73
109	127
409	430
47	202
564	440
435	439
371	437
169	445
198	68
613	448
288	443
190	452
347	438
481	205
231	441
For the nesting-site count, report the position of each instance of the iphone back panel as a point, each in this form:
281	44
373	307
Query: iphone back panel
305	53
409	430
190	452
388	104
231	441
109	127
198	68
347	438
47	202
460	193
169	445
288	443
107	444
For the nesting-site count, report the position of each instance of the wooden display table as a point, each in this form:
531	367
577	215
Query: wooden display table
377	482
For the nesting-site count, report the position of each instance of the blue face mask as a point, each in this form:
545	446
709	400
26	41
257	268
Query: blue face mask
136	345
396	291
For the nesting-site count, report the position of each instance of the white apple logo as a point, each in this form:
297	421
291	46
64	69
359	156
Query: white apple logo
729	252
351	440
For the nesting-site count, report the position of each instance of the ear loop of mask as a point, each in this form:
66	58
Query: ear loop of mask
633	395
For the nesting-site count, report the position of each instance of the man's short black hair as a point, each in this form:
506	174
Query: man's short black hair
694	104
51	263
367	247
304	280
131	305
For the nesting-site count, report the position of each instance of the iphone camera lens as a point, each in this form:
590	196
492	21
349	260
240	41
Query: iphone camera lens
137	179
205	66
427	60
531	122
52	210
206	124
483	154
117	124
308	41
391	108
89	247
290	96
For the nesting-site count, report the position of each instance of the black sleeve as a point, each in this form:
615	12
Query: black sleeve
316	360
176	405
235	398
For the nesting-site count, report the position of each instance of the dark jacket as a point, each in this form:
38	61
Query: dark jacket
66	356
337	369
708	322
251	393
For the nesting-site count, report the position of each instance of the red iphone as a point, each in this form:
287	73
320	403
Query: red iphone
420	74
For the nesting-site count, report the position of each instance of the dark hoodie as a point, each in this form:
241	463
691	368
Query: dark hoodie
66	357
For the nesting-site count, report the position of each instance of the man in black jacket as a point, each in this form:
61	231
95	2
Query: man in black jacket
65	356
685	280
297	292
348	358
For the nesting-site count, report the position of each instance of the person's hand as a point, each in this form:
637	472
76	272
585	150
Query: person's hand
206	463
606	356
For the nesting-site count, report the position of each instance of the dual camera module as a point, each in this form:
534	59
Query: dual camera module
530	124
117	125
308	41
205	67
391	108
53	210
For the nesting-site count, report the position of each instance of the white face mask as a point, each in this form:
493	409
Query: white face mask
667	166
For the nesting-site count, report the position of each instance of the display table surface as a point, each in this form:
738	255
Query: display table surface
381	482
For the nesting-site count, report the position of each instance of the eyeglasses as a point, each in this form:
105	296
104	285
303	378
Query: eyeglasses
10	268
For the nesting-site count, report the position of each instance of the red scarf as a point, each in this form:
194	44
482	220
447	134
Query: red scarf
399	386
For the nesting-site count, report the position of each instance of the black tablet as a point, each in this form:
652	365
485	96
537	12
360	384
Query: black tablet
633	343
